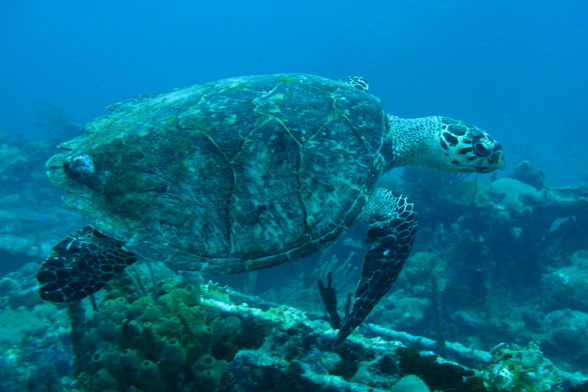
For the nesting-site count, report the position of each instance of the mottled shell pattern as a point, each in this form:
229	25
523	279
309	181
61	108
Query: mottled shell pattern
228	176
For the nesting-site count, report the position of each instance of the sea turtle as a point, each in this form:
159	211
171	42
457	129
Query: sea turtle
245	173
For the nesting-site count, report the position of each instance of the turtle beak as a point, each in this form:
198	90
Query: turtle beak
501	162
491	155
494	162
497	157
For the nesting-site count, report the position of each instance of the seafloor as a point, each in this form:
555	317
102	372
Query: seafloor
493	298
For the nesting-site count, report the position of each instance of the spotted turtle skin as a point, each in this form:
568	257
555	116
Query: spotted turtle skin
229	176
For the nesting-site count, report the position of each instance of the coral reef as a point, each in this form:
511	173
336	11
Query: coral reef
175	333
509	263
36	354
580	388
410	383
565	332
208	338
566	287
514	195
165	342
527	173
176	340
18	289
520	369
507	254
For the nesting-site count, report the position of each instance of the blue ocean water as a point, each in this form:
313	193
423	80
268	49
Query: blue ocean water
518	69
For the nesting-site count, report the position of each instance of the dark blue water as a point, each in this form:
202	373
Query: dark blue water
516	68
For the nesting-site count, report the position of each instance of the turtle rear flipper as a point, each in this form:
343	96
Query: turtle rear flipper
392	228
81	264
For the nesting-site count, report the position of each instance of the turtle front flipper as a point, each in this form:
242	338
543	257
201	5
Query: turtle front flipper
392	227
81	264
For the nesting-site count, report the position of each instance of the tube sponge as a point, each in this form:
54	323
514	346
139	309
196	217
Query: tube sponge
151	312
169	327
131	329
200	342
130	358
104	380
225	328
108	359
172	357
148	372
141	372
209	371
147	376
148	336
192	317
189	295
108	329
97	359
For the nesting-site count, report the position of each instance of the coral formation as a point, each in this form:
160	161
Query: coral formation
180	335
527	173
521	369
438	374
329	298
165	342
566	287
566	331
410	383
515	195
505	271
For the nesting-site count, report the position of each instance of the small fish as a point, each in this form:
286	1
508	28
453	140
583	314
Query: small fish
558	222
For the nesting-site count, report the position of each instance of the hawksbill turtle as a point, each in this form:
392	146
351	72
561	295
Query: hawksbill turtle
246	173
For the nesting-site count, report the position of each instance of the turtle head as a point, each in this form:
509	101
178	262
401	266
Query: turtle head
442	143
466	148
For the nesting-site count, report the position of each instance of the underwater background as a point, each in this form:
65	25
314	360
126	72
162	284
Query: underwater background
497	281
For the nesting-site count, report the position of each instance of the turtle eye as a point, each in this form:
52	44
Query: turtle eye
481	150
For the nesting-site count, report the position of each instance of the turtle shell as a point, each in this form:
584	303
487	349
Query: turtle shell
228	176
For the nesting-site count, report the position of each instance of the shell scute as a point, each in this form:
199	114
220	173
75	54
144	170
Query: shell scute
232	175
